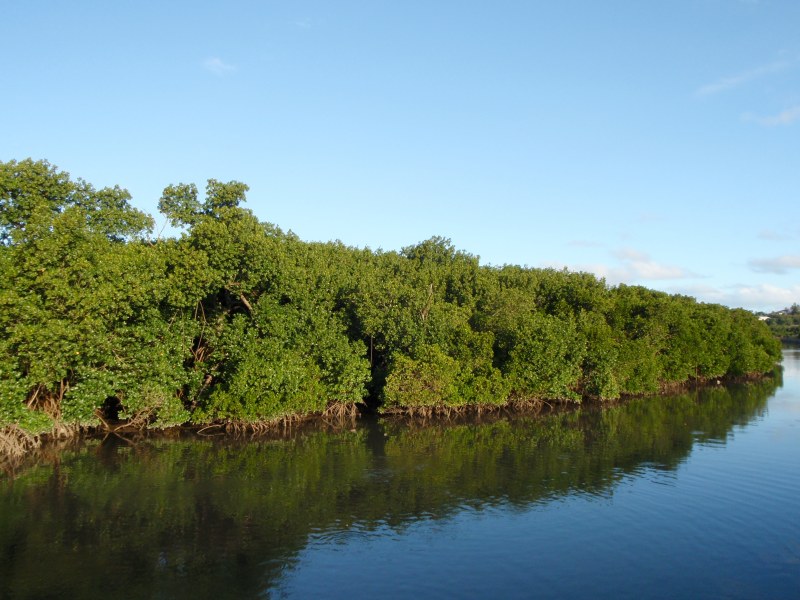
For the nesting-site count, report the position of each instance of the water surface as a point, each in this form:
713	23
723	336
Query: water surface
689	496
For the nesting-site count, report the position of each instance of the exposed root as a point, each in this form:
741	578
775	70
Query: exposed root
48	402
339	414
219	427
15	444
514	405
63	431
254	428
340	410
442	412
534	405
336	416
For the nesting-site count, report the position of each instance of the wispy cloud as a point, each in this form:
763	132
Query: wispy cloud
638	265
629	254
778	265
785	117
585	243
633	266
724	84
764	297
774	236
217	66
650	217
651	270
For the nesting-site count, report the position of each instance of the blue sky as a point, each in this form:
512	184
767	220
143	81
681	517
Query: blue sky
652	143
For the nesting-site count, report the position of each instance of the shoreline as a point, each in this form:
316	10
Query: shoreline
18	447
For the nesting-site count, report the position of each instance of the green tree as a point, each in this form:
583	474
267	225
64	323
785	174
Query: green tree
80	318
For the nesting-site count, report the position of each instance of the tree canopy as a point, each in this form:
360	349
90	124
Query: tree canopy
237	321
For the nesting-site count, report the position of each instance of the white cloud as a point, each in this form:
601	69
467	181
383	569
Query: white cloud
778	265
634	266
704	293
764	297
727	83
217	66
638	265
648	269
785	117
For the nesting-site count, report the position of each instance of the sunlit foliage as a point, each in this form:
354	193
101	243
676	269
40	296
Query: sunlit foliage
237	321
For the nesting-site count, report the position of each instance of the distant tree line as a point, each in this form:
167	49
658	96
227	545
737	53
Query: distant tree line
785	323
236	321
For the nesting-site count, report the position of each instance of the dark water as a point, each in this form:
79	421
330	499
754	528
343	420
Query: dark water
691	496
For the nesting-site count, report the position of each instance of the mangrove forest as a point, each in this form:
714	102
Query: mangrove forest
235	322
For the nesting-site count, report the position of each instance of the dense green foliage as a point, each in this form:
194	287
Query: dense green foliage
237	321
785	324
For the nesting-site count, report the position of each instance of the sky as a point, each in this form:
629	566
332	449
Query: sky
652	143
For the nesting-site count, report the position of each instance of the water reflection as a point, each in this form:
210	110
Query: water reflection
167	518
791	362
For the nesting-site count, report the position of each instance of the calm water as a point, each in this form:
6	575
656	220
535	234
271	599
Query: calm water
692	496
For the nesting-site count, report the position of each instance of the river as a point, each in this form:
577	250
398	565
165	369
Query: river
687	496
